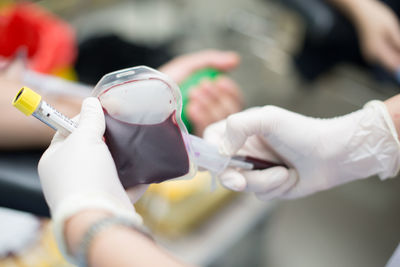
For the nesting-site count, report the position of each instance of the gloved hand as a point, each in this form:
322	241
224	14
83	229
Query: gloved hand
320	153
77	173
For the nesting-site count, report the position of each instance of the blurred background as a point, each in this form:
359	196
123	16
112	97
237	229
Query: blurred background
303	55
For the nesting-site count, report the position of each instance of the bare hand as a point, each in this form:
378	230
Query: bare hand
210	101
379	32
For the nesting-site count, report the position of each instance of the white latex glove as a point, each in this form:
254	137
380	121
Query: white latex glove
320	153
77	173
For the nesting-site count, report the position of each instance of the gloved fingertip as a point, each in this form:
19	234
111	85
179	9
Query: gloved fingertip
233	181
279	174
92	116
264	181
235	185
90	104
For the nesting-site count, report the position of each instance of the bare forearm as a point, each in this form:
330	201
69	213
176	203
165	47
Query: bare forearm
20	132
116	245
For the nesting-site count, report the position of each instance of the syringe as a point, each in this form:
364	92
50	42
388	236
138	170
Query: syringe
206	155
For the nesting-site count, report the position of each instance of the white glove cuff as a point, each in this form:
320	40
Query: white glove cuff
78	203
390	151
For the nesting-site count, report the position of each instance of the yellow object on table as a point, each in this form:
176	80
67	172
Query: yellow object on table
176	207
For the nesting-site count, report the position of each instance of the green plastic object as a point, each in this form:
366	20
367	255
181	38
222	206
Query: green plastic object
187	85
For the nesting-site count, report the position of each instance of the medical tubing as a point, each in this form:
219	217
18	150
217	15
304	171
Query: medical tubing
208	157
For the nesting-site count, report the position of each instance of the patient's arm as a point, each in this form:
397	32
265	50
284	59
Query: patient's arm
124	246
18	131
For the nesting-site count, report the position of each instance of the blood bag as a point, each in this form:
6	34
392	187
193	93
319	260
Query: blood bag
144	131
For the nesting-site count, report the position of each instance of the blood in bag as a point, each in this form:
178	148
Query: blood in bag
146	153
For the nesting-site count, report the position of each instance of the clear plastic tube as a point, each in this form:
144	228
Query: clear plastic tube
54	118
31	103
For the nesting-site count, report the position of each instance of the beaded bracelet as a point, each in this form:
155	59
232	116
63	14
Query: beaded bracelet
94	229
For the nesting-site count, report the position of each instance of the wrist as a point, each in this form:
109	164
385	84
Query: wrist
76	226
393	107
382	141
89	233
101	206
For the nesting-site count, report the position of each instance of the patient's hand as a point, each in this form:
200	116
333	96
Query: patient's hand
210	101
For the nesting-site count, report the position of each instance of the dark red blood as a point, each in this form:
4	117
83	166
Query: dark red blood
145	154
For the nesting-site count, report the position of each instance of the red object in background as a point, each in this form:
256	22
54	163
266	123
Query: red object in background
50	42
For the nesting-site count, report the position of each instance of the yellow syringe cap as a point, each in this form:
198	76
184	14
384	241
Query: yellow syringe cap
26	101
